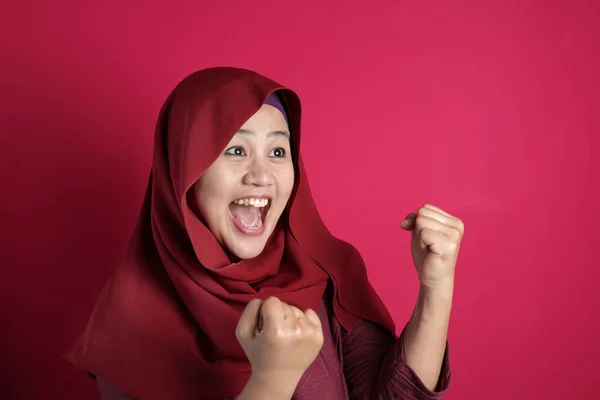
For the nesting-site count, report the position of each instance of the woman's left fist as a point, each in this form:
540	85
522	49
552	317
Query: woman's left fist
436	238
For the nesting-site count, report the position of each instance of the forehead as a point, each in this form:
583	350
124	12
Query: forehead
267	120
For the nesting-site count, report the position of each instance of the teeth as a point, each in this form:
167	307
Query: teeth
252	202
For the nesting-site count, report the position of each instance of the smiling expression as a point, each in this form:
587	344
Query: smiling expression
242	195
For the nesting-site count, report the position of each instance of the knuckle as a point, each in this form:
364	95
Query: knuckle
455	234
452	246
302	324
270	303
239	334
319	339
312	316
252	302
319	331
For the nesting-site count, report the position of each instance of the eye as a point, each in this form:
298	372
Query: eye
278	152
235	151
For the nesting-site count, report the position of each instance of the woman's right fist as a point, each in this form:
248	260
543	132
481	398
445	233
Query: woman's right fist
279	340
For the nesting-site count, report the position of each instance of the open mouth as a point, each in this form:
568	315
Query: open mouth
249	214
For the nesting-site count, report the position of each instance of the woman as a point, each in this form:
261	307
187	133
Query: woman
215	296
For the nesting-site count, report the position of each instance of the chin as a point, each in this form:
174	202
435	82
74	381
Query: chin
246	252
245	247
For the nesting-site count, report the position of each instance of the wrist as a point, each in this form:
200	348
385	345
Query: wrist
434	303
439	290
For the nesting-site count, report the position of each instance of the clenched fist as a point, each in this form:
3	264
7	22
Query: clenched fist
436	239
280	340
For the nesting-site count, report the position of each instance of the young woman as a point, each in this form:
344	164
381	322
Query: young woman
232	286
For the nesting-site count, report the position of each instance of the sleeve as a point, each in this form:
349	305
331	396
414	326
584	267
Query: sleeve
375	367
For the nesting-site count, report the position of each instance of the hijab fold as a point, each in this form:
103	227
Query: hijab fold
164	325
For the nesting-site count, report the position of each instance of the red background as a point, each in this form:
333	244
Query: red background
486	109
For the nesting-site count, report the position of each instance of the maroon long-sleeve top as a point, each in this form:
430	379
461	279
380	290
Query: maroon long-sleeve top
366	363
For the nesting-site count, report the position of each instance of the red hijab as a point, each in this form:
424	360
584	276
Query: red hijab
164	325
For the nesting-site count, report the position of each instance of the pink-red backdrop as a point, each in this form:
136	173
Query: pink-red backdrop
487	109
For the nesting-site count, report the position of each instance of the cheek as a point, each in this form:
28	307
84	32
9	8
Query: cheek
201	202
286	181
210	190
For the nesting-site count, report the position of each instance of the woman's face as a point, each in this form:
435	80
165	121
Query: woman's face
244	192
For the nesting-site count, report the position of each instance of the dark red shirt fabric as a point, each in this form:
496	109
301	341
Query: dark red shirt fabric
366	363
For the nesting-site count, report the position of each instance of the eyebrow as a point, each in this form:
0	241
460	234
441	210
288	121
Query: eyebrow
285	134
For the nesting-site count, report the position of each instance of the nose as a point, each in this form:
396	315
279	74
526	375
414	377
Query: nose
258	174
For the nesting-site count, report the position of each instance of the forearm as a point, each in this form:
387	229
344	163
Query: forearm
427	332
